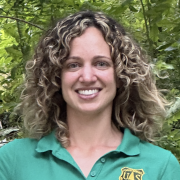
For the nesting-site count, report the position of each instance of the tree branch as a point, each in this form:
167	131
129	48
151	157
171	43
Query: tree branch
147	30
148	5
22	21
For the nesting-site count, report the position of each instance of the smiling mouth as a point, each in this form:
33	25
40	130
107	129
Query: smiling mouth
88	92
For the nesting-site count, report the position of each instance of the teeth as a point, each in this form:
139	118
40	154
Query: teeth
88	92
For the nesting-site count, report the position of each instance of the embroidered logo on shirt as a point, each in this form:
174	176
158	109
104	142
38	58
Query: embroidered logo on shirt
131	174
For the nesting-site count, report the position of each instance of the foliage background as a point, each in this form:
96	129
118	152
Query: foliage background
155	24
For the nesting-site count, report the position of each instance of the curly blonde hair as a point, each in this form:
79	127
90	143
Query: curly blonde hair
138	104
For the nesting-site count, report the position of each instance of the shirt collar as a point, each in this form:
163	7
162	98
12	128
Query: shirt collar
128	146
48	143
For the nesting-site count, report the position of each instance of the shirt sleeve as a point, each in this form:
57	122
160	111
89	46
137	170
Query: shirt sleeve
7	158
172	170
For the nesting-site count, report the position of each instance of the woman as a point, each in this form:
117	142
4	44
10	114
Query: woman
90	106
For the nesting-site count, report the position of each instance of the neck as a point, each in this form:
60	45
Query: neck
91	130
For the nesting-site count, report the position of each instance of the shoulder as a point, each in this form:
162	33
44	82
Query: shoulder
13	154
161	158
18	147
151	149
154	152
19	144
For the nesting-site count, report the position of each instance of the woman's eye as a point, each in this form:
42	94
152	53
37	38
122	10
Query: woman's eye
73	65
102	64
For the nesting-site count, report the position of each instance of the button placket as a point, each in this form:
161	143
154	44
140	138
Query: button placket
93	173
103	160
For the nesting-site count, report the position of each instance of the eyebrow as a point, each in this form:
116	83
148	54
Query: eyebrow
96	57
73	57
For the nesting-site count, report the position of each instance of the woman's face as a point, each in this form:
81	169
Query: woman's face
88	80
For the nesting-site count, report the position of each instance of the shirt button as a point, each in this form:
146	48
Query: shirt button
93	173
103	160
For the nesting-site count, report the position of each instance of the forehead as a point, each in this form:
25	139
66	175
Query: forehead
89	34
90	43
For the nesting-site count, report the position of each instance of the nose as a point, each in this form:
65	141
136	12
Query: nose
88	74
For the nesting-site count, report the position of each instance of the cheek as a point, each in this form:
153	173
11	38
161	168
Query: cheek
65	78
65	91
68	80
64	84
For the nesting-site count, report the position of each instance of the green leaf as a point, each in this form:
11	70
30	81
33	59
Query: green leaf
170	48
13	52
175	107
13	72
11	29
133	9
163	6
126	2
154	33
117	9
165	22
177	135
162	47
177	115
2	72
1	92
163	66
69	2
174	135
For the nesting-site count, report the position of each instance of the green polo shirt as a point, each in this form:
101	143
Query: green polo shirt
46	159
